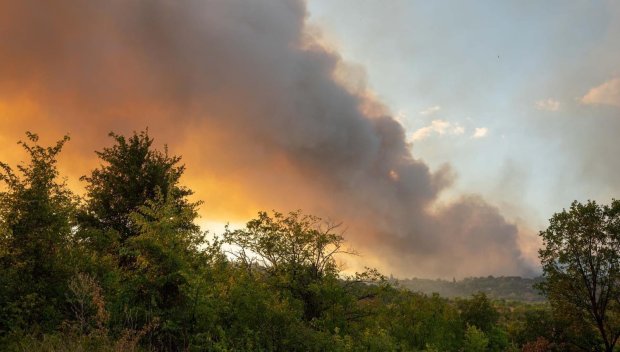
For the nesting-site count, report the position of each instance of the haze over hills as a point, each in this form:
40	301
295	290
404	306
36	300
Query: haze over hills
513	288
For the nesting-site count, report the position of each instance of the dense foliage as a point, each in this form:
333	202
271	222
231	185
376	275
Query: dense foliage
581	264
126	268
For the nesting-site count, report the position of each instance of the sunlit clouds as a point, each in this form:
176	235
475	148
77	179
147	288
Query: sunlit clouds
439	127
480	132
607	93
446	128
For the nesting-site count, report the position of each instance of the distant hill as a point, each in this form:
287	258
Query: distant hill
504	287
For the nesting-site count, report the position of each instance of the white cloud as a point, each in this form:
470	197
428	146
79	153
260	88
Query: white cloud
607	93
480	132
431	110
400	116
548	105
440	127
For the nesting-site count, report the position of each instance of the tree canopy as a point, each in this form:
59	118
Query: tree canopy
132	173
581	266
36	221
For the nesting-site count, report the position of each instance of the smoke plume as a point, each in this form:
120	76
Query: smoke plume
248	96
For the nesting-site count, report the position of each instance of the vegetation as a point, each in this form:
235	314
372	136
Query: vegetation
581	264
126	268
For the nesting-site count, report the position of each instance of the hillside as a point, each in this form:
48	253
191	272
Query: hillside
503	287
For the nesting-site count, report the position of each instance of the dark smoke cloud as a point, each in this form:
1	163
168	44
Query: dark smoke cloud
250	100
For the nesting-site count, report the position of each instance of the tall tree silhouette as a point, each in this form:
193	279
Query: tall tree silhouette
36	222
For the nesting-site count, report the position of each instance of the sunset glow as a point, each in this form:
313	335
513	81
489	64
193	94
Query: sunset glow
441	145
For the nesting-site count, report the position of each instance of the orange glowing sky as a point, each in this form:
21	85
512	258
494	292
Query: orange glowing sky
266	114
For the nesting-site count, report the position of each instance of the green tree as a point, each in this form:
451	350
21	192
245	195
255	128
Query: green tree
292	256
475	340
132	173
138	216
421	321
167	255
478	311
296	251
581	266
36	222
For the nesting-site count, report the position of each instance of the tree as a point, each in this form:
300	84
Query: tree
138	215
167	256
36	222
420	321
295	250
581	266
132	173
479	312
475	340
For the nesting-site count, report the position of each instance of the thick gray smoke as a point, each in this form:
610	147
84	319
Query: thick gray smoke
245	94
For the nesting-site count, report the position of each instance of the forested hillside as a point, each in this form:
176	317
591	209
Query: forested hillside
512	288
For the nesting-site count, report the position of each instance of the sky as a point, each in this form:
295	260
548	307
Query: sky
442	135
